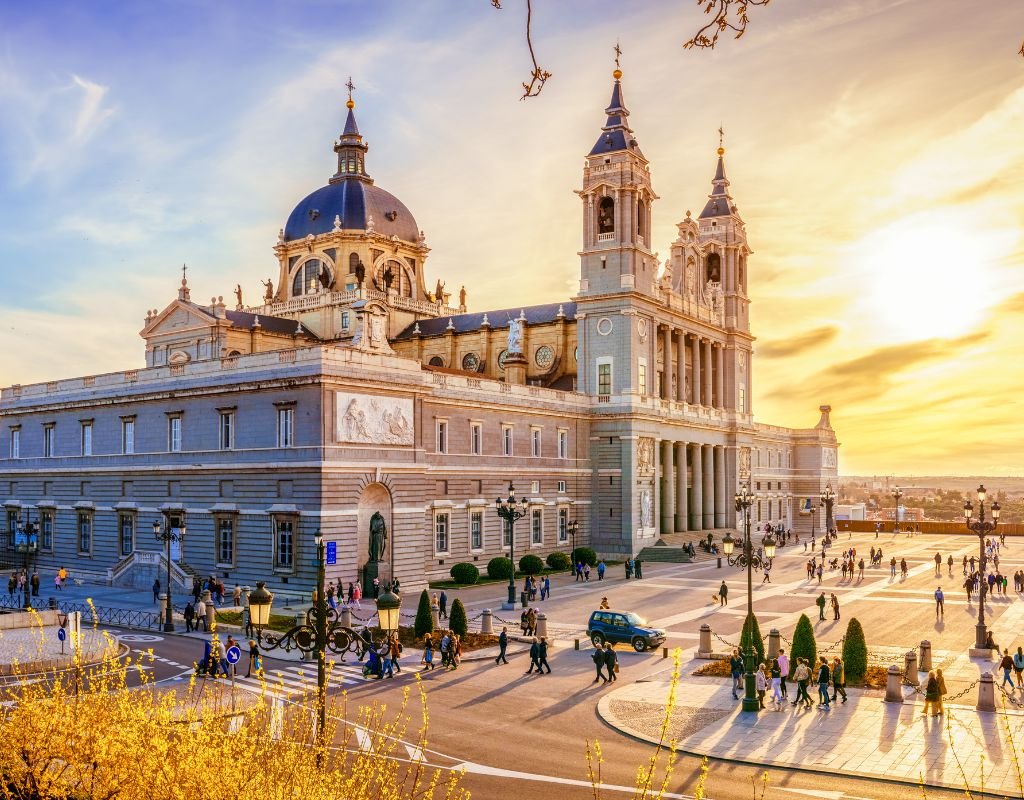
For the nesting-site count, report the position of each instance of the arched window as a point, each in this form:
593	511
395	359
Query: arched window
392	274
713	266
641	220
436	361
606	216
310	277
742	265
353	262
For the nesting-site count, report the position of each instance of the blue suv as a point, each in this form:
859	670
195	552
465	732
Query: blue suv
623	627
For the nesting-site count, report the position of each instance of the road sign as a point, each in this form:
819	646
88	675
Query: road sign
233	654
62	634
332	552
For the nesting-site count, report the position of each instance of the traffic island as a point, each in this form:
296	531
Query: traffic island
30	642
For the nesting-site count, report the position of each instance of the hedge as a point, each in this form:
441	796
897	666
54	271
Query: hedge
424	619
750	624
457	620
804	645
586	555
559	560
499	568
530	564
855	652
464	573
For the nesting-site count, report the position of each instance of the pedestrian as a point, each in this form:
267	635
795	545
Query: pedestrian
860	566
1006	664
63	575
819	567
777	696
531	622
395	647
821	606
892	566
428	654
546	586
189	614
823	680
965	565
838	678
938	564
611	662
156	590
1018	667
35	583
357	594
783	670
442	605
723	594
524	622
760	685
236	596
802	675
638	571
942	688
629	568
903	567
835	606
387	664
200	615
736	669
931	695
949	563
579	571
767	575
598	658
940	600
542	656
255	660
600	569
534	657
502	647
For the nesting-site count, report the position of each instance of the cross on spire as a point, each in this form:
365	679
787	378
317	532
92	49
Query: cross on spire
184	274
721	135
350	86
618	52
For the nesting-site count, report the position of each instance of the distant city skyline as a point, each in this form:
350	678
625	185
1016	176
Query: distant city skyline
874	151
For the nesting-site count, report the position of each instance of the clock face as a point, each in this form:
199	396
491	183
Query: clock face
501	358
544	357
471	362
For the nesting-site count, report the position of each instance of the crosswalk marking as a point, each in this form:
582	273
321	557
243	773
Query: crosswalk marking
302	679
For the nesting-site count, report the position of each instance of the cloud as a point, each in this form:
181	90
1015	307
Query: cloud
798	344
91	113
1013	304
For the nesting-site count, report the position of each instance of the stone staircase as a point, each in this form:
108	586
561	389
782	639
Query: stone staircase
669	548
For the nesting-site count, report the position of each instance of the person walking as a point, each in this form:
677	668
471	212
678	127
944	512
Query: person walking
395	647
638	571
546	586
949	563
600	570
542	656
1006	664
502	646
629	568
820	567
357	594
736	669
200	615
931	695
823	679
255	661
611	662
940	603
938	564
189	614
442	606
783	670
35	583
1018	667
838	678
534	657
821	607
860	566
778	698
835	606
942	688
903	568
802	675
892	567
760	685
156	590
428	654
723	594
598	658
767	576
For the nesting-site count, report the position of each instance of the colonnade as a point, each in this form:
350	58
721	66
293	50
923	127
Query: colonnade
692	484
707	359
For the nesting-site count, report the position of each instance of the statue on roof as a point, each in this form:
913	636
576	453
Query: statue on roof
462	298
389	277
515	336
439	291
269	294
238	294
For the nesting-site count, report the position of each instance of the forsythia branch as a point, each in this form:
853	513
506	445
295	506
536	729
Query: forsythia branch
538	75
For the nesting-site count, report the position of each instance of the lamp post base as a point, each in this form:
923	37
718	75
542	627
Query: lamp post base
507	606
980	636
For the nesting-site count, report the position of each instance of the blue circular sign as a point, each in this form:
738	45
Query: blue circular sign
233	654
62	634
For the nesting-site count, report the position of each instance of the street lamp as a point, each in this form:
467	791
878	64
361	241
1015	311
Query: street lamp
321	632
167	534
747	558
896	493
982	528
27	542
828	497
510	511
814	510
572	528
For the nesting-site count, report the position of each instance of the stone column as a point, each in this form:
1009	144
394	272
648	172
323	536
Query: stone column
667	488
706	374
696	515
668	380
708	506
681	521
680	351
719	486
695	380
720	375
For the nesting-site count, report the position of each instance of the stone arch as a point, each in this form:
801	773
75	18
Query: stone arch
373	497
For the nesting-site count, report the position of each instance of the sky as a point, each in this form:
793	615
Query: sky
875	149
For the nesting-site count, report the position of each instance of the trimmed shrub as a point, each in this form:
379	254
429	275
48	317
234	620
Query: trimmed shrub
457	620
751	628
855	652
804	645
464	573
424	619
558	560
586	555
530	564
499	568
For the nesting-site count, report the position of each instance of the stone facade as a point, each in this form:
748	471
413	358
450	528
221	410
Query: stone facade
352	389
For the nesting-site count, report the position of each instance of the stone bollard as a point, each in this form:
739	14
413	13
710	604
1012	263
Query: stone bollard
346	616
986	693
774	638
434	611
211	611
704	646
893	691
245	596
161	605
910	668
486	622
542	625
924	661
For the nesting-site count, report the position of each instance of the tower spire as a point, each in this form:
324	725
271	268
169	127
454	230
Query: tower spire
350	147
616	133
720	202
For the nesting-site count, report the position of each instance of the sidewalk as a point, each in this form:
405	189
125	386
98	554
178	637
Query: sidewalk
866	737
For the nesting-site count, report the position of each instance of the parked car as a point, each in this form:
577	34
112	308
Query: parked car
623	627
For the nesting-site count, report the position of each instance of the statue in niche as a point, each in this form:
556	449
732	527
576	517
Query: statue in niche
238	294
378	537
389	278
645	509
691	278
376	332
645	455
324	277
269	284
515	336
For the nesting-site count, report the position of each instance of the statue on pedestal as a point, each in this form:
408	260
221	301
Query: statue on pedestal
378	536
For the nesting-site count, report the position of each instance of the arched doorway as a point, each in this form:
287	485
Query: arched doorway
374	498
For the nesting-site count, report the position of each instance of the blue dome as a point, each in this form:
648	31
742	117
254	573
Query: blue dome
351	200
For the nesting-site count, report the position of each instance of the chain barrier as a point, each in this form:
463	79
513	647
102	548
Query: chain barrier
787	641
723	641
505	621
831	646
958	695
1010	697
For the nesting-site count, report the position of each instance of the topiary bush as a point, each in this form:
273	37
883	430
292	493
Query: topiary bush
558	560
424	619
586	555
499	568
464	573
530	564
804	645
855	652
457	620
751	628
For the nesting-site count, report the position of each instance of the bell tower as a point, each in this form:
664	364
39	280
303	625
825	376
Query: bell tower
617	199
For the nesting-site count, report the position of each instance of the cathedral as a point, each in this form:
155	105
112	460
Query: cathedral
355	394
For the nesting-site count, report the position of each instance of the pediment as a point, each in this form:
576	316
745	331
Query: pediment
177	317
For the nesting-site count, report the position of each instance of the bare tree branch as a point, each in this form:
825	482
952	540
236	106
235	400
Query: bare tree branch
538	76
726	15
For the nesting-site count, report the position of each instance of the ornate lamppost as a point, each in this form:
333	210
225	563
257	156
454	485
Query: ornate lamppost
27	542
509	510
982	527
572	528
321	632
749	559
828	497
896	493
166	533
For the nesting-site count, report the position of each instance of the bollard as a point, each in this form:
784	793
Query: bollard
986	693
664	652
346	616
704	647
434	611
542	625
893	692
162	606
245	596
486	622
719	562
924	661
576	644
211	610
910	668
773	643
